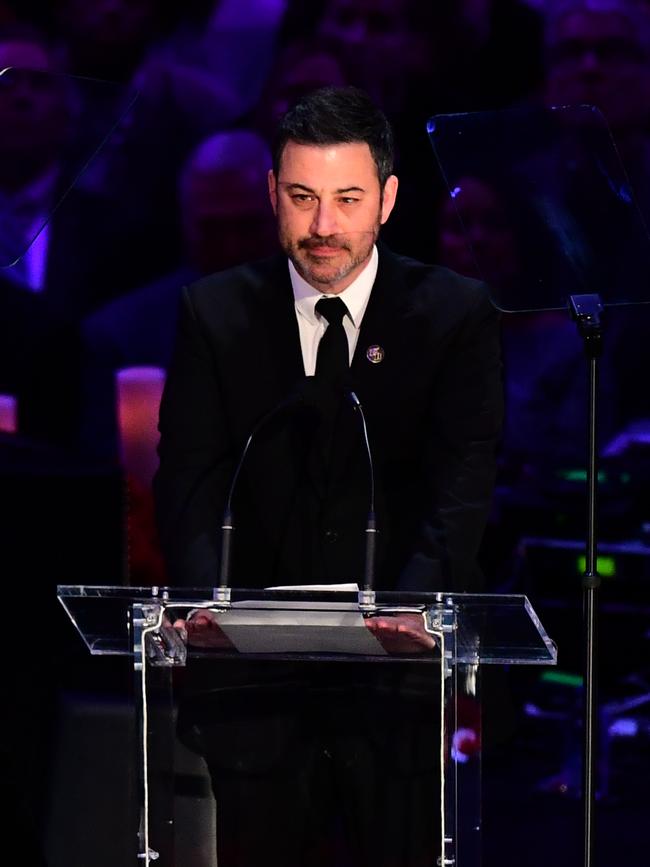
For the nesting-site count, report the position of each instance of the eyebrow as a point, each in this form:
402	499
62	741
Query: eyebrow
340	191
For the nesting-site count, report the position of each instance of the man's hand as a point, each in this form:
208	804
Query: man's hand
202	630
401	633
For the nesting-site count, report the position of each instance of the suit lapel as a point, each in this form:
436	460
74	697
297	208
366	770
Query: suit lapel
386	307
278	344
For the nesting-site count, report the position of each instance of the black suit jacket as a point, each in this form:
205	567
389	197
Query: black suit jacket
433	407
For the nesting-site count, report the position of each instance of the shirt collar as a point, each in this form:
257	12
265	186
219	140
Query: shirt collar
355	296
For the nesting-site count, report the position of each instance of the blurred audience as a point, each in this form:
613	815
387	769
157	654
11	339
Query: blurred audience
598	53
301	66
226	220
107	39
378	46
64	240
486	231
57	245
215	66
484	54
479	236
153	88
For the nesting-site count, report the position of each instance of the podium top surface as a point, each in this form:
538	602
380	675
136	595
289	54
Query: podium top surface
478	628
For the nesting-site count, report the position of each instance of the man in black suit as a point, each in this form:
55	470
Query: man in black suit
424	362
421	353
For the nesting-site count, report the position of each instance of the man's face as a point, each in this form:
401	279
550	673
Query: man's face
298	77
226	218
373	38
475	230
329	207
33	113
598	59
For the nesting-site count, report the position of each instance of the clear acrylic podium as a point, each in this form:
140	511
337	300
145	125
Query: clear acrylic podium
458	633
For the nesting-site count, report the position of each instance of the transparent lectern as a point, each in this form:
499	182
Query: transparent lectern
382	633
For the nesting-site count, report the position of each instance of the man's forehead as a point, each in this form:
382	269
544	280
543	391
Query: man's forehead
326	163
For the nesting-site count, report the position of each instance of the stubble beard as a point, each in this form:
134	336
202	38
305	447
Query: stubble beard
319	271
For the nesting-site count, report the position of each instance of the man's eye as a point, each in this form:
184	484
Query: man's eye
300	198
348	200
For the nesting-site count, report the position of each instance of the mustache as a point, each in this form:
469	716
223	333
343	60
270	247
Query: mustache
313	241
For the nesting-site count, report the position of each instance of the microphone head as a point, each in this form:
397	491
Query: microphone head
353	399
323	398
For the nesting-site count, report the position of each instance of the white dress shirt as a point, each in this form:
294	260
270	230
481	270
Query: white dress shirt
312	325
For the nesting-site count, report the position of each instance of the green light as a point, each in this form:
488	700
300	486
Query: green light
573	475
578	475
562	677
605	566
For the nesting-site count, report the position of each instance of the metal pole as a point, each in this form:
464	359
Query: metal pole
586	310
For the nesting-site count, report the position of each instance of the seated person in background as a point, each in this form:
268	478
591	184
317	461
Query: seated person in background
225	219
486	230
57	246
302	65
598	53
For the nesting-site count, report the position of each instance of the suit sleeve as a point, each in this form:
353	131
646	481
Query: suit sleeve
459	466
196	461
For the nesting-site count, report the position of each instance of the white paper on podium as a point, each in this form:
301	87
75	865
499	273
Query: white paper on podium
299	627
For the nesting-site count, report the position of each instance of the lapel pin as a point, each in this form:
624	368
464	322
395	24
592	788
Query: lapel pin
375	354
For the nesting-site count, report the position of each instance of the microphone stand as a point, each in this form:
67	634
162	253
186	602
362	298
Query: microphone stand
585	311
222	591
367	595
306	397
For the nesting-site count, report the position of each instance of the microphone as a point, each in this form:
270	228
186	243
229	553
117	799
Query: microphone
300	397
371	523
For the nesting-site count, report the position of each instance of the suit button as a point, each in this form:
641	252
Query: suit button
331	536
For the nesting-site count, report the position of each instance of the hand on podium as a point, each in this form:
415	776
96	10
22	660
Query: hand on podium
202	630
401	633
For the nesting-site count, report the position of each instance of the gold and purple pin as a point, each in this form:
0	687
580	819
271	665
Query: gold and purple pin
375	354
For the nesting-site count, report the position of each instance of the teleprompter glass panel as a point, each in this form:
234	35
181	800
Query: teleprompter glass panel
540	206
52	128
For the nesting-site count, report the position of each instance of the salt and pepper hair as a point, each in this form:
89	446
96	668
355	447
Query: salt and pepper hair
338	115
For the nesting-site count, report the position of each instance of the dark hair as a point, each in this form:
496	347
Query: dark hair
336	115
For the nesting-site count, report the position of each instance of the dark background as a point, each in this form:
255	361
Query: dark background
177	190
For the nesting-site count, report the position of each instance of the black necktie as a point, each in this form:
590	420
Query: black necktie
333	358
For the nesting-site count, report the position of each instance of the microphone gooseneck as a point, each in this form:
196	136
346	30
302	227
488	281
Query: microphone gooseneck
297	398
371	523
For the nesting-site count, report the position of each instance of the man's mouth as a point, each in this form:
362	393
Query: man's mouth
324	251
321	248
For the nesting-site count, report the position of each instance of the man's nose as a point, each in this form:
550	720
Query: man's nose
324	222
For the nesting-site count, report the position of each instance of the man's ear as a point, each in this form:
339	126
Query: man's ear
273	191
388	198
